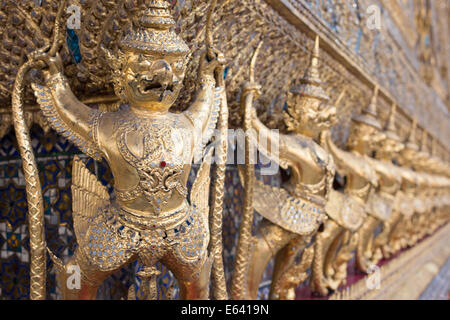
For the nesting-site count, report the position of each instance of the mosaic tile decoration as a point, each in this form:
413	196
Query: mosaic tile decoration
54	158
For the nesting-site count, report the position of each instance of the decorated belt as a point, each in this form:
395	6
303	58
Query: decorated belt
346	209
115	236
170	221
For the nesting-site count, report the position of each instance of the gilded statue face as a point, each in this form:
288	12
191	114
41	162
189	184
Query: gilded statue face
153	82
364	138
312	114
389	148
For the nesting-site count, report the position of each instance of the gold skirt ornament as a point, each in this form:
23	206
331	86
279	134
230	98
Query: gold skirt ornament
116	236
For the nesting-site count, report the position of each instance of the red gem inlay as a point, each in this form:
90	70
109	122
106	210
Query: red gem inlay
163	164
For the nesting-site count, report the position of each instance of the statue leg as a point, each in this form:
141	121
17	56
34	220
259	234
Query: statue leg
349	243
384	240
269	239
380	241
395	238
413	237
406	233
428	222
440	218
287	274
332	253
192	274
433	221
89	278
364	249
336	260
418	227
188	260
426	219
322	244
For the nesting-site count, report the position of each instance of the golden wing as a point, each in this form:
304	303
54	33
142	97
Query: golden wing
286	211
88	197
267	201
200	188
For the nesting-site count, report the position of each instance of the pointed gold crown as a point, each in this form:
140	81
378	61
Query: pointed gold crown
310	84
390	130
154	32
411	141
369	114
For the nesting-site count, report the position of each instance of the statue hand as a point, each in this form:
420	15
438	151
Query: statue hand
38	54
212	67
251	87
54	64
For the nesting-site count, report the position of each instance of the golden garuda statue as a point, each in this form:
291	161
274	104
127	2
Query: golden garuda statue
150	152
437	171
293	213
403	230
384	204
391	199
412	157
379	197
424	191
350	226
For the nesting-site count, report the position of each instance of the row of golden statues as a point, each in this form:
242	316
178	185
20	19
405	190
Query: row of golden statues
310	222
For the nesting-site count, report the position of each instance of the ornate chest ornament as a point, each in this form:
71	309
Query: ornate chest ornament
159	169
